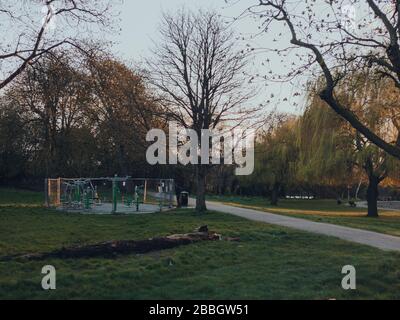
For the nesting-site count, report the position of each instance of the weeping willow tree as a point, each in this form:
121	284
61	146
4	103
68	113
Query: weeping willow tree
275	158
325	148
333	152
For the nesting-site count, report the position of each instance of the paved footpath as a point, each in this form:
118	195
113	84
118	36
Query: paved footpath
370	238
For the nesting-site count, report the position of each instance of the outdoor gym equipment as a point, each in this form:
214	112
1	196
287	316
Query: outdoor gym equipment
110	195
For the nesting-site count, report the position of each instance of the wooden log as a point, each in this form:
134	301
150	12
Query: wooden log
123	247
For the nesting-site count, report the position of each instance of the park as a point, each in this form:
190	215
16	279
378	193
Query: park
228	151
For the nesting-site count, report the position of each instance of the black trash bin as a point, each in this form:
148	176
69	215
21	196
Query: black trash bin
184	199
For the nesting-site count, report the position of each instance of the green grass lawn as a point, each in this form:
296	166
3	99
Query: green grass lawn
17	198
321	211
269	262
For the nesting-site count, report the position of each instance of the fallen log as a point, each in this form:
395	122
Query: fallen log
123	247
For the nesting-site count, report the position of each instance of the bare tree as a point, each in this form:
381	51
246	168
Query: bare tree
33	28
198	68
340	36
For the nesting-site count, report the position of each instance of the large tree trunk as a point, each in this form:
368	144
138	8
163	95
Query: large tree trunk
372	196
372	191
275	194
200	189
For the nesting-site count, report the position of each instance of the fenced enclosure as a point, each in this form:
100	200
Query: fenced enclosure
110	195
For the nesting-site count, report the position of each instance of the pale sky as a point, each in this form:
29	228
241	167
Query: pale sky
140	20
139	27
